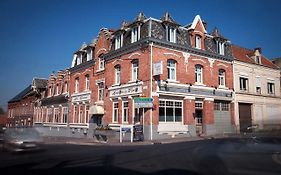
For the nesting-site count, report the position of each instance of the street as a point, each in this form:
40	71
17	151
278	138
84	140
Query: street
213	156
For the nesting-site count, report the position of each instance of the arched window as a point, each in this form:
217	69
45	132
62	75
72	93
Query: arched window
171	69
117	74
221	77
199	74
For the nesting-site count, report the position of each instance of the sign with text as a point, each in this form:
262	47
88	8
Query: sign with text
157	68
125	91
143	102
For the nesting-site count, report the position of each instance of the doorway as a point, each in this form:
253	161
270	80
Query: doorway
245	116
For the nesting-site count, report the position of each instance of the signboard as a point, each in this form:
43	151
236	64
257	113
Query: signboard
138	133
157	68
143	102
125	91
81	97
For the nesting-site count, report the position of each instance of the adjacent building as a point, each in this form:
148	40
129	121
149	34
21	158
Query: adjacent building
257	90
21	107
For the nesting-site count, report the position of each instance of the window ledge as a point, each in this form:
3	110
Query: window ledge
100	70
133	81
199	84
223	87
172	81
114	85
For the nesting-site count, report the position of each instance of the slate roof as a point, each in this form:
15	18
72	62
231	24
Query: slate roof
243	54
19	96
40	83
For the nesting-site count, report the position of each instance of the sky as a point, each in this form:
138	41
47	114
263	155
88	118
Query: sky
38	37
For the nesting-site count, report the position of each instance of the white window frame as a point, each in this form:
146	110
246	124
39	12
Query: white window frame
75	113
49	115
220	47
87	82
258	59
115	111
198	42
258	84
135	34
89	54
117	74
198	74
125	112
135	70
64	114
171	70
57	89
65	87
101	63
171	34
76	85
80	114
87	108
100	91
118	41
174	113
57	115
270	87
242	86
221	78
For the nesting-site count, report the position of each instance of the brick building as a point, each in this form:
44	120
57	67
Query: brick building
185	70
21	107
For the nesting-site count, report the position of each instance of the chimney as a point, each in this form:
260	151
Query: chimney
259	49
204	24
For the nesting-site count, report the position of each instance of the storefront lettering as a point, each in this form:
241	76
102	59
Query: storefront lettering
126	91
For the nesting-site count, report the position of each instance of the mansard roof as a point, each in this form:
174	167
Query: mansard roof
244	55
39	83
216	34
167	18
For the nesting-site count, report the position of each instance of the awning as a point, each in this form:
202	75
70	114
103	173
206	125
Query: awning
96	110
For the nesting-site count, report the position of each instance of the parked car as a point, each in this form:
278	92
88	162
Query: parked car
22	139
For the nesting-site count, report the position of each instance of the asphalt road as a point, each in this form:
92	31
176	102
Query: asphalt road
218	156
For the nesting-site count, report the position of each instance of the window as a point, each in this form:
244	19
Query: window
171	34
81	114
50	91
50	114
76	85
198	74
75	114
221	77
100	91
101	63
135	70
115	112
170	111
117	74
57	115
221	106
118	41
125	111
198	105
270	88
258	85
243	84
64	114
220	47
87	113
135	34
89	54
257	59
78	59
57	89
87	83
171	69
198	41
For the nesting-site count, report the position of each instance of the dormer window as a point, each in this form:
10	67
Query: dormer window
135	34
118	41
78	59
171	34
89	54
257	59
198	42
220	47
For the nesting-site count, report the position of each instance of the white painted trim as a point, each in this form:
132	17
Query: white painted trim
194	23
209	99
172	54
133	54
189	97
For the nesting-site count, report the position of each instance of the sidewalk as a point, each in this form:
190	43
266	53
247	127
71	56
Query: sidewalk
114	142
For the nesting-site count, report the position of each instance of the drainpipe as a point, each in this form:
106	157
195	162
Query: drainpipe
151	44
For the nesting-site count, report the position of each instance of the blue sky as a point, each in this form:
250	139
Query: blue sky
40	36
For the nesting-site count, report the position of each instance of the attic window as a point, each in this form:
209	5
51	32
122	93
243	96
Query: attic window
220	47
198	41
118	41
89	54
171	34
135	34
257	59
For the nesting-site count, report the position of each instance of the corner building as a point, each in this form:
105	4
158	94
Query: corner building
187	71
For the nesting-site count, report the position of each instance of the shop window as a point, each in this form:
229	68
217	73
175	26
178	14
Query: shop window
57	114
64	114
115	112
50	114
87	113
170	111
81	114
125	111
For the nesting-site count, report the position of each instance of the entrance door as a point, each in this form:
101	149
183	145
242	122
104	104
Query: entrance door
245	116
138	115
199	121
